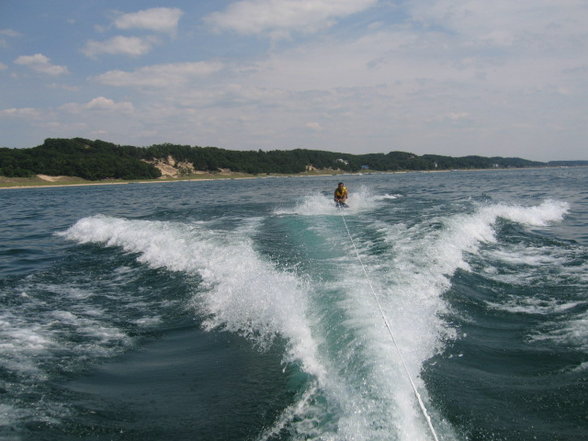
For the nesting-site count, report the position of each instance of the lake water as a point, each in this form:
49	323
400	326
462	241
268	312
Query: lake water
256	310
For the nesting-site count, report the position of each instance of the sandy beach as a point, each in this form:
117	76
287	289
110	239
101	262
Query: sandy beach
45	181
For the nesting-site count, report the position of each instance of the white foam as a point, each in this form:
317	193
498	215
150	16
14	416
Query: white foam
387	197
548	212
9	414
468	232
530	256
52	328
148	321
409	289
573	332
21	344
523	265
464	233
581	367
534	305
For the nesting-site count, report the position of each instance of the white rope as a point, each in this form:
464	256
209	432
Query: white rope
418	396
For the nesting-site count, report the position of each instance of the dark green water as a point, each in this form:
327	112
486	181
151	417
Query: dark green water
243	310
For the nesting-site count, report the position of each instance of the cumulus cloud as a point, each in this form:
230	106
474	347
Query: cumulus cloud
160	75
100	104
156	19
41	63
283	16
133	46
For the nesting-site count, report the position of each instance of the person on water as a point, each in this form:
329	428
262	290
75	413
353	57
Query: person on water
341	195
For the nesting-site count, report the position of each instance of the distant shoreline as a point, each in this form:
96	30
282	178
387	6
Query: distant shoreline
70	181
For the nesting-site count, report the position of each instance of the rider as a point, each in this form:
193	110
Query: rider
341	195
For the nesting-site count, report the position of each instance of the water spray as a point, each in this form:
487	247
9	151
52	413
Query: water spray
385	319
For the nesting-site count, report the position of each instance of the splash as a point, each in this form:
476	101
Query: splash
360	200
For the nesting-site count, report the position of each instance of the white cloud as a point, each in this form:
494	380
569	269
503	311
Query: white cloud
100	104
41	63
133	46
160	75
9	33
64	87
456	116
282	16
3	66
156	19
450	76
313	125
538	24
22	112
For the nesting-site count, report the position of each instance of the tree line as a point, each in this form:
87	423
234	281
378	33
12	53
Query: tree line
95	160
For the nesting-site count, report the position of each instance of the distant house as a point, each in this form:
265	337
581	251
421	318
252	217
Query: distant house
365	167
343	161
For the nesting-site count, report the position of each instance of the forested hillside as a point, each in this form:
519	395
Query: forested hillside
97	159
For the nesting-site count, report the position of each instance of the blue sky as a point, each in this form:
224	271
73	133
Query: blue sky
450	77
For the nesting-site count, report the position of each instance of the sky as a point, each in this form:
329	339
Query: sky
449	77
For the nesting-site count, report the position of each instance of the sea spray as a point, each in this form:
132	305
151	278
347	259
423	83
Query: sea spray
313	204
381	402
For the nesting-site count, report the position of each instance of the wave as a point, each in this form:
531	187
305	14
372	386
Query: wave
242	292
410	277
54	324
535	306
427	256
239	291
535	271
420	262
356	387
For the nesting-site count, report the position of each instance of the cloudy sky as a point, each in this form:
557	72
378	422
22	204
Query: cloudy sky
452	77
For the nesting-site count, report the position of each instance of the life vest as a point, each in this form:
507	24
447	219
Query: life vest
341	192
